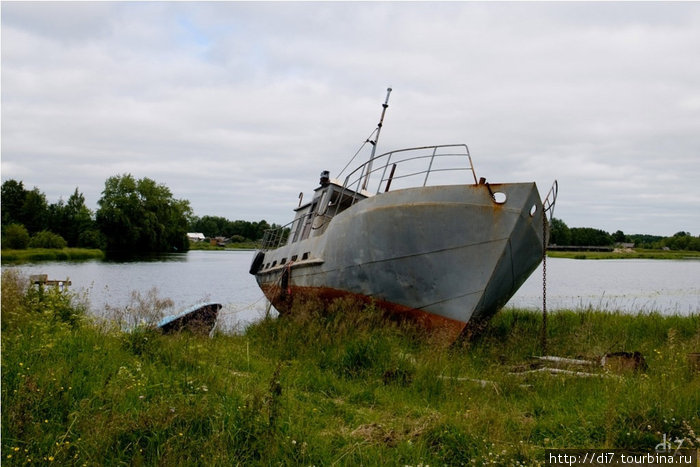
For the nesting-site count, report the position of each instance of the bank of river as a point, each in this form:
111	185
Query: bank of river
632	285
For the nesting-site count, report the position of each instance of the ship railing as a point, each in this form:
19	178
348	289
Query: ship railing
274	238
411	167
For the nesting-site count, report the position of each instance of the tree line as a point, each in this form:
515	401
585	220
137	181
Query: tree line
134	216
139	216
561	234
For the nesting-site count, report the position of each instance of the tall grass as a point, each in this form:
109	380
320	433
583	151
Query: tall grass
331	385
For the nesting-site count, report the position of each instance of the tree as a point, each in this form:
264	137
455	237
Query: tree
142	216
619	237
559	233
70	219
679	241
13	195
15	236
34	211
588	236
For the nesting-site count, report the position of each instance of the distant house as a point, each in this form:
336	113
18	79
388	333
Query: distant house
195	236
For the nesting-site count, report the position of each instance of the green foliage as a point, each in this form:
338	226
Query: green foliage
141	216
587	236
46	254
559	233
646	241
46	304
91	238
619	237
15	236
34	211
682	241
215	226
72	219
46	239
13	196
336	385
31	209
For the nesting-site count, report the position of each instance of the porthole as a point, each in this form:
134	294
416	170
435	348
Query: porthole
533	210
499	197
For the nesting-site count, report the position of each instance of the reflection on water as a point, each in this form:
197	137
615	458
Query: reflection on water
630	285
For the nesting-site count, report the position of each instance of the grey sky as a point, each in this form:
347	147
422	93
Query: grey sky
238	106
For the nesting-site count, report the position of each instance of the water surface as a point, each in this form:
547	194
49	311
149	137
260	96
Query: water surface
631	285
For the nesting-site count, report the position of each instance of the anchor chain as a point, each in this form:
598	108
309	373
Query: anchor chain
547	206
543	337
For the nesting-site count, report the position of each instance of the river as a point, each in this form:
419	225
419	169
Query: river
630	285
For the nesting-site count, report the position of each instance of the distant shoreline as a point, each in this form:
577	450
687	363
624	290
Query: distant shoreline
10	256
627	253
50	254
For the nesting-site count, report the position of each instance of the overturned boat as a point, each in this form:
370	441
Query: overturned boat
414	231
198	319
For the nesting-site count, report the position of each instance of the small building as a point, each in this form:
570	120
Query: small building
195	236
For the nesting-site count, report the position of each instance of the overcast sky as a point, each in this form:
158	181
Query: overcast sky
237	107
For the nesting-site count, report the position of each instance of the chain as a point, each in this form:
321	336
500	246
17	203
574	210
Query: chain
543	337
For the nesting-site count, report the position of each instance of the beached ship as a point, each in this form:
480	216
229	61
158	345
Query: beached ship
414	231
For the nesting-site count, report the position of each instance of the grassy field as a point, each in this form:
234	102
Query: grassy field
340	385
50	254
626	254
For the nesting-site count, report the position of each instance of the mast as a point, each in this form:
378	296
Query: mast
385	105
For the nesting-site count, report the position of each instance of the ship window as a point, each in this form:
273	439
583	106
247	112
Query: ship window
284	260
267	266
294	258
274	263
533	210
499	197
305	255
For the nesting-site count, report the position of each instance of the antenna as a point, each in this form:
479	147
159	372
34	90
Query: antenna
385	105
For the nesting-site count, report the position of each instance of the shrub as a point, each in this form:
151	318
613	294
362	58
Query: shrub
22	303
14	287
15	236
46	239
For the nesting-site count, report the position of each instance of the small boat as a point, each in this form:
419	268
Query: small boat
415	232
198	319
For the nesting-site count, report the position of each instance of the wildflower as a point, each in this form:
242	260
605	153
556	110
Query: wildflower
50	458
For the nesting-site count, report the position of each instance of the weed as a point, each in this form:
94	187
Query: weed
336	385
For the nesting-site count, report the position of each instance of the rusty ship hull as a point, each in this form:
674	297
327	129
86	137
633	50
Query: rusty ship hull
445	254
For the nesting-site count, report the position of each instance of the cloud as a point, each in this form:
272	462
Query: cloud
237	106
